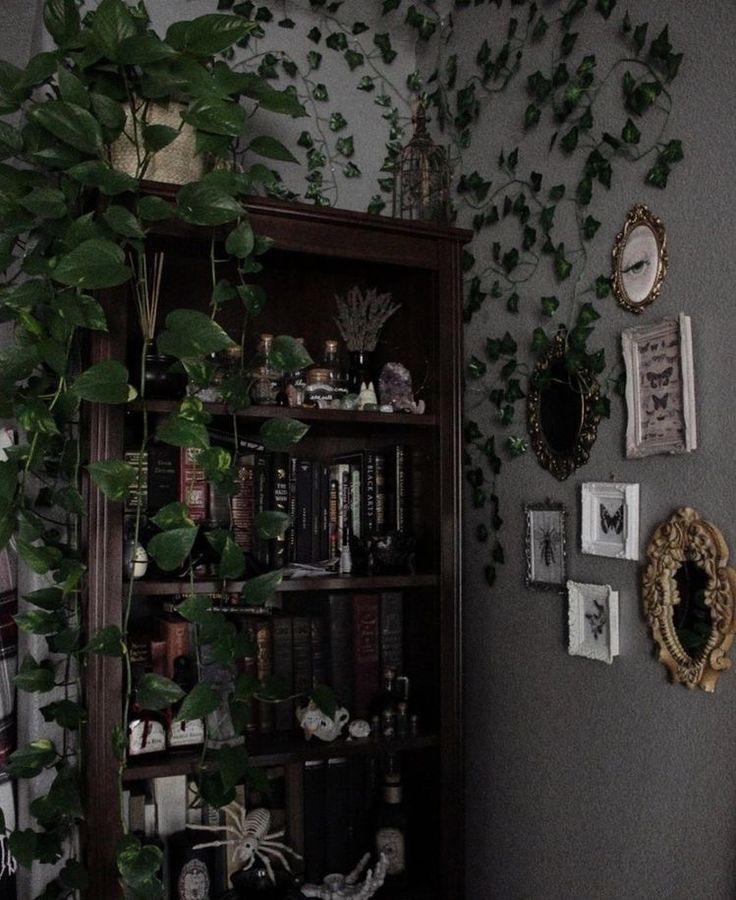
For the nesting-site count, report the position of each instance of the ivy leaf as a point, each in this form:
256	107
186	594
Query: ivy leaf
476	367
383	42
65	713
105	382
271	149
190	334
584	191
257	591
92	265
106	642
199	702
562	265
138	865
630	134
354	59
590	227
157	692
540	342
39	621
113	477
570	140
550	306
170	548
29	761
23	845
587	315
33	677
602	286
532	115
282	433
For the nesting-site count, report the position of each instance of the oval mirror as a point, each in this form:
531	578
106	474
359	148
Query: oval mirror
639	260
561	417
688	594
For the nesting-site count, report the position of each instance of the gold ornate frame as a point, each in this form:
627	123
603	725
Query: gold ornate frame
685	536
639	215
562	465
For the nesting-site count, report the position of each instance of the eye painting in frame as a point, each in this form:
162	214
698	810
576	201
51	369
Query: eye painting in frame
639	260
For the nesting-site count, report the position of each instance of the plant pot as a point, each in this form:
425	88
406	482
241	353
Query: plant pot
254	884
360	369
163	383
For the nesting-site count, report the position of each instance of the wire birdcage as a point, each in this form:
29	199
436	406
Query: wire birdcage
422	176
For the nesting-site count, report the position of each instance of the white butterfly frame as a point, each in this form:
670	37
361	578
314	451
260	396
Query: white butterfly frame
610	519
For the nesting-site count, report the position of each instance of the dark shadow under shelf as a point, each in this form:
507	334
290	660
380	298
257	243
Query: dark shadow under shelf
279	750
317	583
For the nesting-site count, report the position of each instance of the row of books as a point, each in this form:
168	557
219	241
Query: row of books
343	640
365	493
335	831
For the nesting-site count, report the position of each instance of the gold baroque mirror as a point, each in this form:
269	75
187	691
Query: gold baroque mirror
639	260
688	593
561	417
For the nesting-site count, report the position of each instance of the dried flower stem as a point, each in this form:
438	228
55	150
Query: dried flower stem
360	318
146	295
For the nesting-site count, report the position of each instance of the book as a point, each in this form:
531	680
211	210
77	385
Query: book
242	505
392	631
193	485
315	813
380	483
292	510
302	649
337	804
264	669
397	513
303	521
339	627
260	504
283	667
175	632
366	653
279	501
163	476
318	642
138	491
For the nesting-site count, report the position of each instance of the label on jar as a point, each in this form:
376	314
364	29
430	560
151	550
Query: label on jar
186	734
391	842
194	881
146	736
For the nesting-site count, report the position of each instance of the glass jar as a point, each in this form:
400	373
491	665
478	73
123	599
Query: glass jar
319	392
265	378
337	375
295	383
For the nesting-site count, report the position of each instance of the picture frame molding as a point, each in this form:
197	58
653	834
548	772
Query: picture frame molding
631	340
580	596
592	495
530	546
640	216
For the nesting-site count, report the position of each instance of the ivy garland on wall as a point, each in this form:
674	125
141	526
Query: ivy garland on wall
65	252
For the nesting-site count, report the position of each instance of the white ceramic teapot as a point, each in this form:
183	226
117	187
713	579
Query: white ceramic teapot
314	721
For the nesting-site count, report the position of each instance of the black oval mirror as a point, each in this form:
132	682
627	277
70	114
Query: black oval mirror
691	616
561	410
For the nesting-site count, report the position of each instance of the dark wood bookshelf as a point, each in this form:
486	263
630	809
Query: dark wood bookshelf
316	253
316	583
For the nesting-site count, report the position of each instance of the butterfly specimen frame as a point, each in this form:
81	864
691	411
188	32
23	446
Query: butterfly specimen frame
610	519
545	546
592	618
660	388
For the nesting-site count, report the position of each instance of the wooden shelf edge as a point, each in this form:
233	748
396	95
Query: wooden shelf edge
318	583
306	414
281	750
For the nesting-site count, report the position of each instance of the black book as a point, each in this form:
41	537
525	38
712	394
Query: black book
361	799
278	501
315	814
337	802
302	653
292	510
283	667
392	631
163	476
260	502
340	648
303	522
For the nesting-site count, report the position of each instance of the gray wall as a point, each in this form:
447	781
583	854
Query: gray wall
588	781
584	780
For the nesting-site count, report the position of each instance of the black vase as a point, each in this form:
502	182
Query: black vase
360	369
255	884
163	383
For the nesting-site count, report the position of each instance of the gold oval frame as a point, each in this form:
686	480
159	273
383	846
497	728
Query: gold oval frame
686	536
639	215
562	465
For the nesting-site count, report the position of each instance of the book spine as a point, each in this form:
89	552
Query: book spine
279	491
316	510
315	814
361	792
365	653
333	529
260	504
248	665
264	670
175	632
192	485
400	485
318	641
243	504
324	510
292	510
380	483
283	667
356	501
302	649
138	491
163	476
340	648
337	847
392	631
369	493
303	525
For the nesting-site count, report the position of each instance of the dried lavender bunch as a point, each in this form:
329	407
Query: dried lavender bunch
361	318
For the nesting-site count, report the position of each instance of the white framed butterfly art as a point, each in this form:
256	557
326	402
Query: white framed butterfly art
610	519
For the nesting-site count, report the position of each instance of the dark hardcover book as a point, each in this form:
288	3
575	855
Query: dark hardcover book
260	492
324	512
333	527
397	518
340	648
361	799
315	814
392	631
316	511
302	649
163	476
248	665
369	492
355	499
380	481
337	802
243	502
303	523
138	491
283	667
318	641
279	501
264	669
366	654
292	510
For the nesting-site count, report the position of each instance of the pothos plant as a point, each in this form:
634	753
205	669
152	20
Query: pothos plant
70	225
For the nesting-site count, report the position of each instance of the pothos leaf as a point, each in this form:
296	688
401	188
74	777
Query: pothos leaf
157	692
171	548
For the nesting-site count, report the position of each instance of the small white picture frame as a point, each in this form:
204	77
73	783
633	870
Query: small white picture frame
660	388
592	616
610	519
545	546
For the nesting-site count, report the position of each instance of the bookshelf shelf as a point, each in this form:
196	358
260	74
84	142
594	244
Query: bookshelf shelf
334	629
317	583
332	417
281	750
